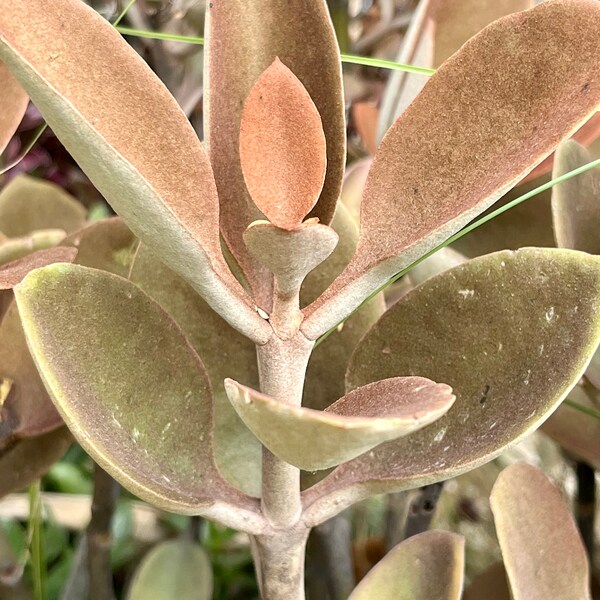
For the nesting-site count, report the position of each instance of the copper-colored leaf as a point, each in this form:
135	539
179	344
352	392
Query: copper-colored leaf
576	202
543	553
264	29
364	418
492	112
428	566
365	115
128	385
224	352
489	585
511	333
13	272
13	104
282	147
28	205
127	133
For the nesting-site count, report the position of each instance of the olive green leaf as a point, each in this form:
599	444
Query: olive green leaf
313	440
13	105
129	136
28	459
264	30
173	569
489	585
492	112
224	352
28	205
543	553
576	202
128	385
282	147
426	566
26	410
512	333
13	272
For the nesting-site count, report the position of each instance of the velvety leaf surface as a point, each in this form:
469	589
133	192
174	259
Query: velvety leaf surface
108	245
173	569
126	382
13	272
28	204
492	112
26	408
12	106
29	459
313	440
576	202
511	333
577	432
263	30
224	352
16	248
543	553
427	566
324	381
282	147
129	136
489	585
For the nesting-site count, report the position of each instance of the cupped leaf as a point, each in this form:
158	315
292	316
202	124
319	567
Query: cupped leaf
512	333
224	352
127	383
576	431
27	460
16	248
492	112
28	205
264	30
282	147
366	417
173	569
26	408
489	585
576	202
129	136
427	566
13	272
13	105
543	553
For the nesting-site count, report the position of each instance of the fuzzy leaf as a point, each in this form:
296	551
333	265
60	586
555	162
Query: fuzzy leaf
12	106
282	147
426	566
224	352
26	408
491	113
29	459
129	136
173	569
124	377
511	333
313	440
264	30
16	248
543	553
28	205
13	272
576	202
489	585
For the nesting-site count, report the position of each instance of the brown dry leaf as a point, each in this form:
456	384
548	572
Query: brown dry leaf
263	30
511	333
12	106
13	272
576	202
492	112
129	136
427	566
282	147
366	417
543	553
123	376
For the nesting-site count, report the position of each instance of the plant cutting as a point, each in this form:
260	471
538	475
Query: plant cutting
461	367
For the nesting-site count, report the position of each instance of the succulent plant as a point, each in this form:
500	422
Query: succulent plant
458	369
